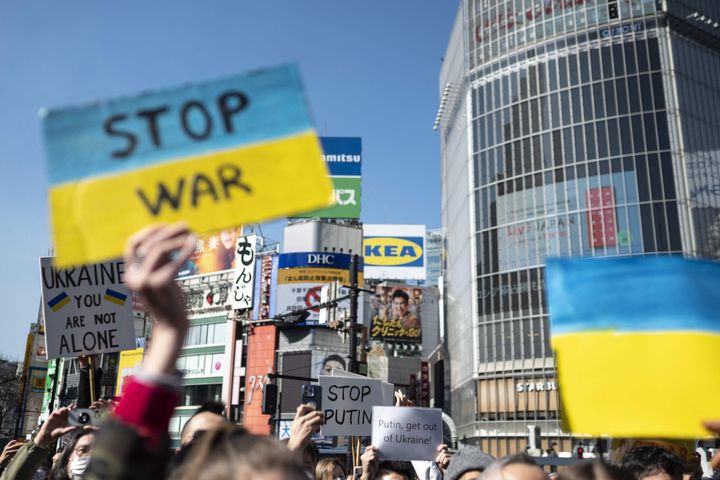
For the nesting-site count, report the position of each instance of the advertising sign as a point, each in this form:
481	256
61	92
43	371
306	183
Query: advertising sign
265	284
348	404
394	252
216	154
242	295
395	313
262	341
407	433
214	252
536	222
128	366
207	294
87	310
343	156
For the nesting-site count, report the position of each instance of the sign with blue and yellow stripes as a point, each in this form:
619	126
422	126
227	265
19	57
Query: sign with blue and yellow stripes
218	154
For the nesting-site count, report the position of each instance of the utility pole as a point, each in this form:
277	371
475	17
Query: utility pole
354	293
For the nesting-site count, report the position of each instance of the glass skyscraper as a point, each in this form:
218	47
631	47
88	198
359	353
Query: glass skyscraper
568	128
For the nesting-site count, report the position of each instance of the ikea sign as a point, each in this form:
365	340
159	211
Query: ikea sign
394	252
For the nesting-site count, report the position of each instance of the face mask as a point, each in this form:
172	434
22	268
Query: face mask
79	465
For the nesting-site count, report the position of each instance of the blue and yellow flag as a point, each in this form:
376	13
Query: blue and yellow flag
218	154
637	343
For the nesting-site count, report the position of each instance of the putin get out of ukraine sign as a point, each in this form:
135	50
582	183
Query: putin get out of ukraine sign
218	154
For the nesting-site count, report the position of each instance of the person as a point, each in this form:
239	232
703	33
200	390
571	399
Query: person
11	448
332	361
75	457
468	463
208	416
306	422
595	470
373	469
521	467
653	463
401	310
33	454
330	469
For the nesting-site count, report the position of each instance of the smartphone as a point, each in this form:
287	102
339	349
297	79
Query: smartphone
312	395
82	417
357	473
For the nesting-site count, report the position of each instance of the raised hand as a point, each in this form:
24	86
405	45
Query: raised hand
306	422
54	427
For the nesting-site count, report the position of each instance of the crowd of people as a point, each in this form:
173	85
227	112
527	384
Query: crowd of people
133	442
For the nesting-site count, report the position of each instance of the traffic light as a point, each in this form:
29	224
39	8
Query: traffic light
580	451
269	399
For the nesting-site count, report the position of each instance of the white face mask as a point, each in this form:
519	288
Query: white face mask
79	465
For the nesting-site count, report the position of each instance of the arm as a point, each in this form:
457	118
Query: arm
370	462
306	422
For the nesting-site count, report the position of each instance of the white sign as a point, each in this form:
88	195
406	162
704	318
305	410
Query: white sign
242	293
348	403
407	433
87	309
394	252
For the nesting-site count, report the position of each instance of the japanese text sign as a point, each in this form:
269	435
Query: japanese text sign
87	310
242	296
407	433
218	154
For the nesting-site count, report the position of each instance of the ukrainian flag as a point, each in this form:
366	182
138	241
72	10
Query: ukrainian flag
227	152
637	342
115	297
59	301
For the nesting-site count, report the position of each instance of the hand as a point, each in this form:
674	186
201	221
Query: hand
306	422
154	255
54	427
101	404
370	462
443	458
401	400
714	426
10	450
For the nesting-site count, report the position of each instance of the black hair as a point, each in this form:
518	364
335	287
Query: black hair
334	357
211	406
401	294
518	458
388	466
645	461
58	471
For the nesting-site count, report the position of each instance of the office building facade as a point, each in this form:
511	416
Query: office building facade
568	128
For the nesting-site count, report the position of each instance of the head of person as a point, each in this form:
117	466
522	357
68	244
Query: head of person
521	467
653	463
468	463
595	470
330	469
400	303
230	453
333	361
207	417
390	470
75	458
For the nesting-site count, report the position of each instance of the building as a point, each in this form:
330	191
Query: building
570	128
434	256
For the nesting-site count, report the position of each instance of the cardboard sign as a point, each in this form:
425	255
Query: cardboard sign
407	433
348	403
87	310
242	296
219	154
388	389
652	326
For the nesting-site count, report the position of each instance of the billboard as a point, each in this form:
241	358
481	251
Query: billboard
207	294
395	312
128	366
301	276
214	252
343	157
394	252
265	285
535	222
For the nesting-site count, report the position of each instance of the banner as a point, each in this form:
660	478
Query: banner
343	157
348	404
87	310
242	296
395	312
407	433
214	252
218	154
394	252
128	366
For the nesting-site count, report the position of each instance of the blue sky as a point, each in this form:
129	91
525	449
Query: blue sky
370	69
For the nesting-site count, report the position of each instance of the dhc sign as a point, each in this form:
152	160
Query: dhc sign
393	251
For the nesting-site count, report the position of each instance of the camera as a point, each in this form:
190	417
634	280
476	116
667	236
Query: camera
83	417
312	395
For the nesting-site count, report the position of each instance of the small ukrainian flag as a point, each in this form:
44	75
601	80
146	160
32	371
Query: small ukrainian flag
59	301
115	297
637	342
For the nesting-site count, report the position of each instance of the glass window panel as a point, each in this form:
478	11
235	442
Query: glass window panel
607	63
610	105
642	178
563	71
618	60
647	228
613	137
630	62
661	227
565	106
667	175
622	97
598	100
656	181
650	135
626	135
646	91
579	144
673	224
658	91
638	133
654	54
219	333
573	69
662	130
555	110
595	64
602	140
576	105
642	56
590	144
584	61
587	103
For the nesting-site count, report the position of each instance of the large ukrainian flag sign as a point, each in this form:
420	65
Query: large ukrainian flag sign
637	343
218	154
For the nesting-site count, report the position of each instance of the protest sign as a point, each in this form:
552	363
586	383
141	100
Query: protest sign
242	294
215	155
87	310
407	433
348	403
653	329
